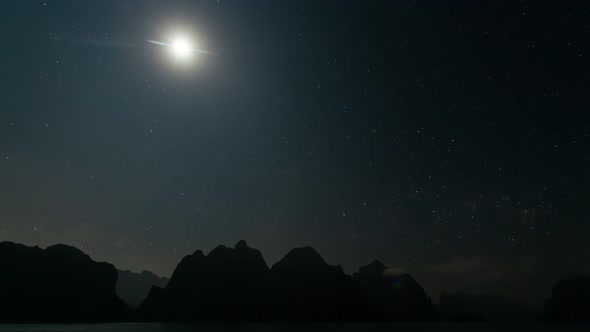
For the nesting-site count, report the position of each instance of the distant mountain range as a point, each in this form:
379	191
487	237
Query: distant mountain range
134	287
62	284
300	287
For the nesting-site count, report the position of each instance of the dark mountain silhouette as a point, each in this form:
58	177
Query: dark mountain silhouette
306	288
227	284
236	285
134	287
570	300
62	284
460	306
397	298
58	284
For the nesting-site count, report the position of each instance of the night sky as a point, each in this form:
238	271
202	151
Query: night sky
446	139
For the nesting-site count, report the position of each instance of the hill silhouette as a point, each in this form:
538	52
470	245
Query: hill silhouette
237	285
227	284
570	300
395	297
306	288
63	284
134	287
58	284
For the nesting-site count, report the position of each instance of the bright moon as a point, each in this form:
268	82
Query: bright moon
181	48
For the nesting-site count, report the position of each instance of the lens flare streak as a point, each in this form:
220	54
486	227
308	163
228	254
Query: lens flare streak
192	50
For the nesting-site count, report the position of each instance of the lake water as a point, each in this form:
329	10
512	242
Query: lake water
250	327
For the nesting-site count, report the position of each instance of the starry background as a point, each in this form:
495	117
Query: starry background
446	139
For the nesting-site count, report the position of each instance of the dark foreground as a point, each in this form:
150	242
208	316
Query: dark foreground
158	327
